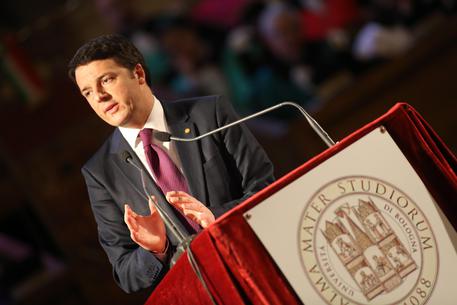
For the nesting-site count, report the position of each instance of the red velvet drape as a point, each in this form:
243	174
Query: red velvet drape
237	266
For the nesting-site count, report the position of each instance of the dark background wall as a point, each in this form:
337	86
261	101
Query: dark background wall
49	253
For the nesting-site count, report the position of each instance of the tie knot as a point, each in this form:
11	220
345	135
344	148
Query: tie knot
146	136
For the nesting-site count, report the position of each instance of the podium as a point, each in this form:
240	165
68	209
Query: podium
238	268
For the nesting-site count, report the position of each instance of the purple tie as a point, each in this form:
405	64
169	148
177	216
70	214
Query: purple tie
167	175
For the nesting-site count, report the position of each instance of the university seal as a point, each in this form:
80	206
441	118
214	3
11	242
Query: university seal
364	241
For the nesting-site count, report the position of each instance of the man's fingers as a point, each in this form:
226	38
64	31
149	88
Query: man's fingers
179	200
126	207
192	214
132	223
184	199
133	236
177	193
199	217
126	213
130	219
190	206
130	211
189	212
129	224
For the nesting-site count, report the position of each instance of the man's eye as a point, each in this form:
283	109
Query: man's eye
107	80
86	94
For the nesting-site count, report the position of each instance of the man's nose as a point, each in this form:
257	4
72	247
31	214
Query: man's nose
102	95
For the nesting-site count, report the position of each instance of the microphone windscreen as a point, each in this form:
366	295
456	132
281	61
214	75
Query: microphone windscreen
126	156
161	136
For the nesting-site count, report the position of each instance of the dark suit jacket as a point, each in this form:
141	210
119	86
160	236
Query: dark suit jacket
222	170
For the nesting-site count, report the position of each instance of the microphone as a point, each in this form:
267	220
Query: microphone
161	136
167	137
173	224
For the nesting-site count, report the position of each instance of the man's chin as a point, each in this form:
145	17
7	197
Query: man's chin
118	120
115	122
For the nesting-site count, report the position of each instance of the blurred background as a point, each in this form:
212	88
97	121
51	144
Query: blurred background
346	61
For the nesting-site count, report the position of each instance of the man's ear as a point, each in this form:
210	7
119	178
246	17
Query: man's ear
140	74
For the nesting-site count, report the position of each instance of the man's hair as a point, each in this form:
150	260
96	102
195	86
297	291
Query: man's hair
112	46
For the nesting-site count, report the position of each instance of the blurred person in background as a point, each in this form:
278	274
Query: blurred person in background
276	62
391	27
193	62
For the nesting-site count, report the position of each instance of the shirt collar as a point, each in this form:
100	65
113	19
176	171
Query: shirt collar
156	120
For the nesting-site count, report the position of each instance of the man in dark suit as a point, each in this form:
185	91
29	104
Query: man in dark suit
216	172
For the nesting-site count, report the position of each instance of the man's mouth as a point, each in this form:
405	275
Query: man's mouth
111	108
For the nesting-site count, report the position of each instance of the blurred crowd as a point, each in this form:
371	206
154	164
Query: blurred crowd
262	52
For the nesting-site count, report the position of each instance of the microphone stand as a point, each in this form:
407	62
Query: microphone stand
166	137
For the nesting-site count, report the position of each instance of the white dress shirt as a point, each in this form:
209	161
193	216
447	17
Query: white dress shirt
156	121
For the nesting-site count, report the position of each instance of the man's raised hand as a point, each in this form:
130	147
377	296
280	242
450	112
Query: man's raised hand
147	231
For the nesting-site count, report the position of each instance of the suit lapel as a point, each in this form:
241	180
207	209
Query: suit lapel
189	153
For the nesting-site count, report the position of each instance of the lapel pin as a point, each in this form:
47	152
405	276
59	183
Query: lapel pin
187	130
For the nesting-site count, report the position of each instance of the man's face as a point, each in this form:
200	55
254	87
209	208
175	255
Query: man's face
113	92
